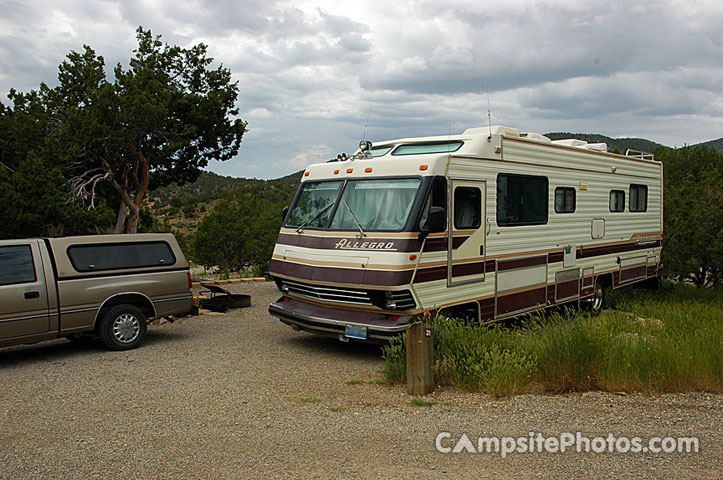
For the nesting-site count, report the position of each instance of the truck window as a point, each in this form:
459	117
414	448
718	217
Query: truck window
521	200
638	198
119	256
564	200
467	208
617	201
16	265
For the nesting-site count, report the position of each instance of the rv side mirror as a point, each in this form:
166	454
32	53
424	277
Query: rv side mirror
436	220
284	211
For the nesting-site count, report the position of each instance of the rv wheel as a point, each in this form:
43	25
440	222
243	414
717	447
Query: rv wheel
596	302
122	327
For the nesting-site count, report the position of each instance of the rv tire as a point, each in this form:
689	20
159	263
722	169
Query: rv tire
597	301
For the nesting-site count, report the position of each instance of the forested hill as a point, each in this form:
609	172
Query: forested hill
210	186
616	145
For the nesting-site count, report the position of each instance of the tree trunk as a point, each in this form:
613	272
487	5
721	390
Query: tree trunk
140	196
120	221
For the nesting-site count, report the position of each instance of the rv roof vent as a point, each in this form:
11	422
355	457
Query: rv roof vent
495	130
570	142
600	147
535	136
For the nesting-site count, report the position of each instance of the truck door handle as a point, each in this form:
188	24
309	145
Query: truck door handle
30	295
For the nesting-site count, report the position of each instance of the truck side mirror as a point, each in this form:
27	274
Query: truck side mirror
436	220
284	211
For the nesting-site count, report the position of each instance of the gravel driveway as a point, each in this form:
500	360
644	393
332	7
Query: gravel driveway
242	395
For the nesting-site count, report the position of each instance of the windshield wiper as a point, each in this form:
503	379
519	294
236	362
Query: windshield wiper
301	227
355	220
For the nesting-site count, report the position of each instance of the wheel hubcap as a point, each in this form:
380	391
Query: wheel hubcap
126	328
598	298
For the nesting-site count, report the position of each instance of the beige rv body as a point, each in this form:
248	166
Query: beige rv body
495	267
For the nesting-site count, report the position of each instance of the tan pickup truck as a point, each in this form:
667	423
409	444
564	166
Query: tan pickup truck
107	286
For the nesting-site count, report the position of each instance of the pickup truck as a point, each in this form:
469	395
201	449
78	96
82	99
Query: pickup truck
106	286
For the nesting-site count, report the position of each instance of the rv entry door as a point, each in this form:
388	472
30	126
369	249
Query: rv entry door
466	242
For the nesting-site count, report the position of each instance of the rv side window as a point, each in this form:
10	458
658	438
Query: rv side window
16	265
467	207
521	200
638	198
118	256
617	201
564	200
437	197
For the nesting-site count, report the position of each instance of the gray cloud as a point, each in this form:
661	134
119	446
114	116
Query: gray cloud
309	71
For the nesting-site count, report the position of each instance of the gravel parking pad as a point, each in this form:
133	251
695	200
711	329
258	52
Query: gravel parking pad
242	395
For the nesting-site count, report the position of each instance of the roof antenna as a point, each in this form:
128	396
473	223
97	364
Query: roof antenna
367	122
489	115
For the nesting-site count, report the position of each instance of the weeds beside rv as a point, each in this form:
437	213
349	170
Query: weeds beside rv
488	224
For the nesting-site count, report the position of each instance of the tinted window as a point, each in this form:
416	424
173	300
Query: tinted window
564	200
521	200
638	198
617	201
467	207
419	148
16	265
118	256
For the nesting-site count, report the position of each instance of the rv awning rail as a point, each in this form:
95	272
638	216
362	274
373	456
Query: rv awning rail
638	154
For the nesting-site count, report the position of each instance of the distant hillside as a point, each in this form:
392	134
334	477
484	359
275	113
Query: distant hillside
717	144
183	206
618	145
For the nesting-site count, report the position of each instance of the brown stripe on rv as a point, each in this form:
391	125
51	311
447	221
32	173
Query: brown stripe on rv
521	263
522	300
440	244
340	275
620	248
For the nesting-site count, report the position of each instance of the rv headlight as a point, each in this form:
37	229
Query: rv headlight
284	288
390	303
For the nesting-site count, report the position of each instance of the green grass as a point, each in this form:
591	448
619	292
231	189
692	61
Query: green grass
669	340
420	402
354	382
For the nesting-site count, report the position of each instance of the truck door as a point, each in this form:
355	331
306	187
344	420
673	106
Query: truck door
466	242
23	294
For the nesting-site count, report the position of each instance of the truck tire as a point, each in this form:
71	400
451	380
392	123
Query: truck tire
122	327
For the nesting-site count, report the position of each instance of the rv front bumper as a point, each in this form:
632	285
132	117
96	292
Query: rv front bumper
334	322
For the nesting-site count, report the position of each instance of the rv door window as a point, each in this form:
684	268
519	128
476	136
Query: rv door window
521	200
638	198
314	197
564	200
377	204
617	201
467	208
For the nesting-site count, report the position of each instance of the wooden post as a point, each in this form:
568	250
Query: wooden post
420	378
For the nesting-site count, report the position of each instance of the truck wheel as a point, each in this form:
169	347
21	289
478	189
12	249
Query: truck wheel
597	301
123	327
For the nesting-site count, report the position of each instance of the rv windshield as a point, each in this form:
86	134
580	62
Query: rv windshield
378	205
312	209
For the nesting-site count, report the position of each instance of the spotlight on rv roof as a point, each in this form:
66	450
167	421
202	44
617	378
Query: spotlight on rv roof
365	146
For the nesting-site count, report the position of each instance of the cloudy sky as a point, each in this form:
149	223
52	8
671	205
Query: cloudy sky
310	72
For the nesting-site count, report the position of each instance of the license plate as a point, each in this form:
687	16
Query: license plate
360	333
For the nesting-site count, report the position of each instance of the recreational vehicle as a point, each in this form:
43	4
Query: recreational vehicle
489	224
